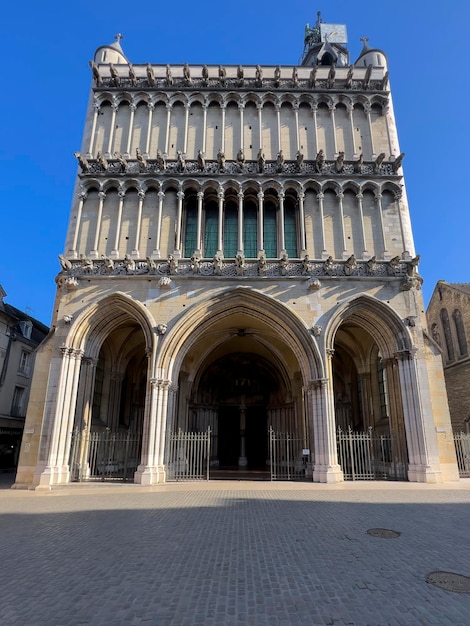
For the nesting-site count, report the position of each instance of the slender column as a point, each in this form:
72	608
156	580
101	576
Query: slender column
156	252
89	371
146	473
385	113
94	252
186	125
421	437
220	224
132	108
200	199
340	196
367	109
297	137
260	221
260	124
114	109
96	110
282	195
168	121
360	197
333	126
136	251
204	127
82	197
241	108
179	218
303	244
278	117
223	108
378	199
320	198
242	460
326	468
115	252
69	414
397	197
240	222
351	124
162	415
315	128
150	107
397	423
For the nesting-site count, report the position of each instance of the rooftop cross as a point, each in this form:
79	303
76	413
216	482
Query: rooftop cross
364	39
118	37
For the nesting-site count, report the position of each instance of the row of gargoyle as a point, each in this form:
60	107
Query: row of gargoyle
222	76
240	160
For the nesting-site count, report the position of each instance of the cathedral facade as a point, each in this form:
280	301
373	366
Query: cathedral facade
240	264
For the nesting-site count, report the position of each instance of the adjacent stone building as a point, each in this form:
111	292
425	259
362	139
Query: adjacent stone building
20	334
240	262
448	316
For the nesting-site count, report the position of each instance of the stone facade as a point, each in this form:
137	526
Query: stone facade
448	316
240	256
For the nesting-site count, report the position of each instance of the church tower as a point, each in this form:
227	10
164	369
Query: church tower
239	283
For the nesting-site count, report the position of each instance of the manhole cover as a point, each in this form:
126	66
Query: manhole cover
449	581
383	533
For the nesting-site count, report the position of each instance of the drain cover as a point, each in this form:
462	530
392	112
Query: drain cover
383	533
449	581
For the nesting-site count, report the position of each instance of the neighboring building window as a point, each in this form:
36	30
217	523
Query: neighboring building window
230	231
270	231
210	231
447	334
250	231
25	360
290	231
460	331
435	333
17	405
26	329
383	390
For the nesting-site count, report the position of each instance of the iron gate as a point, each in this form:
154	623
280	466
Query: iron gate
368	456
188	455
104	455
462	450
286	456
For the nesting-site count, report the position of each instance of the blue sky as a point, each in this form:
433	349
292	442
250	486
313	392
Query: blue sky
45	48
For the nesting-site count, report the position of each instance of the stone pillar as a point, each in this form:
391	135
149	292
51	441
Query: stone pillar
296	114
223	107
200	199
147	473
367	109
178	251
132	108
351	124
326	468
340	196
115	252
332	109
320	198
398	197
282	195
204	127
150	107
220	244
94	252
168	121
260	124
378	199
89	371
81	200
278	117
240	222
315	129
136	251
260	222
360	197
186	125
96	110
385	113
156	252
114	109
423	455
241	108
396	418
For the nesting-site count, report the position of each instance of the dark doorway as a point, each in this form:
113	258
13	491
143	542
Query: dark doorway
256	437
229	436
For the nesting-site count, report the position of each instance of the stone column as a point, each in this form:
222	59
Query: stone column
303	244
398	197
385	113
241	108
240	222
136	251
204	127
150	107
132	108
94	252
186	125
320	198
296	114
360	197
220	245
282	195
96	110
332	109
178	251
378	199
147	473
351	123
340	196
367	109
315	128
156	252
223	107
260	124
396	418
114	109
168	121
89	371
278	116
81	200
200	200
115	252
260	222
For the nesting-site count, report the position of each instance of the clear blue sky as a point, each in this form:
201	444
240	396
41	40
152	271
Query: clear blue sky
45	48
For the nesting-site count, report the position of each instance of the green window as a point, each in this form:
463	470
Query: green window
270	231
230	231
290	231
210	230
250	226
190	231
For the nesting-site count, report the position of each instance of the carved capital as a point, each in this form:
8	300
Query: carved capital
102	196
180	195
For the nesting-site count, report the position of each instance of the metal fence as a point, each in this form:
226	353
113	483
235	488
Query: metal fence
368	456
104	455
188	455
286	456
462	449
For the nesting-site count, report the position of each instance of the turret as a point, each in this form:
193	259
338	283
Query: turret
111	53
323	44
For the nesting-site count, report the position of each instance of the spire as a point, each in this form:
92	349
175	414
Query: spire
112	53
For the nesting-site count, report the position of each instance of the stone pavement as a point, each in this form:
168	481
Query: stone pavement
233	553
